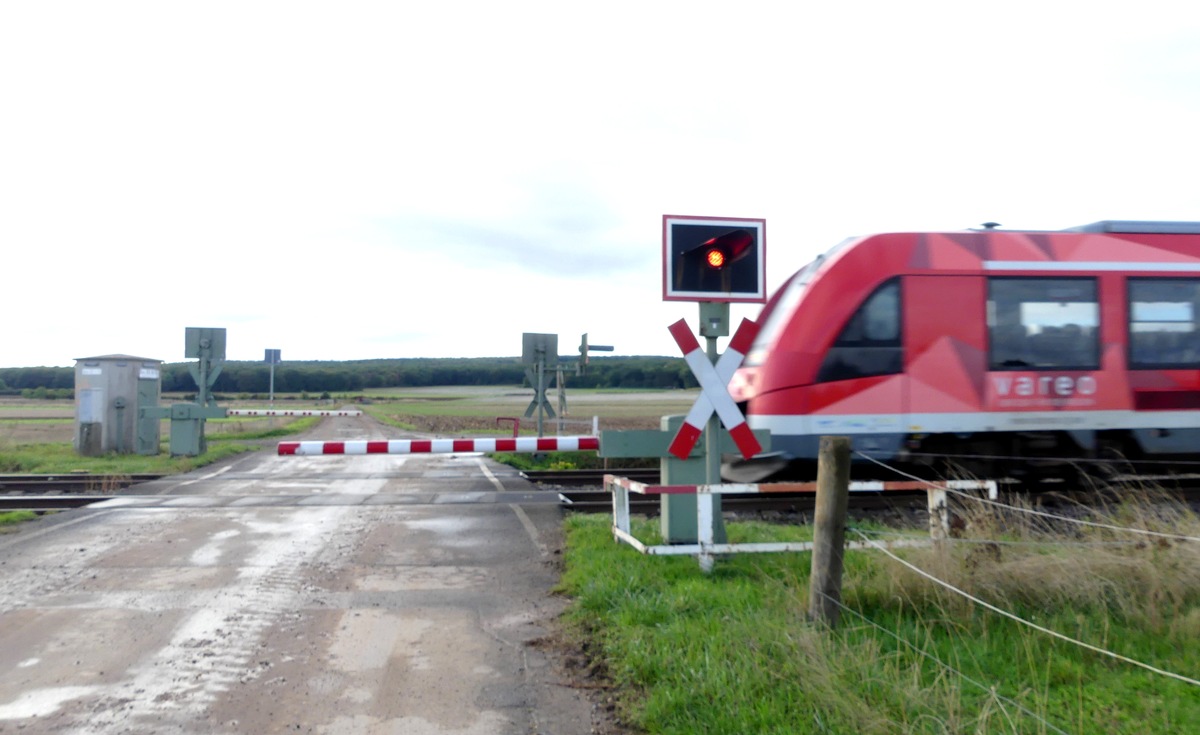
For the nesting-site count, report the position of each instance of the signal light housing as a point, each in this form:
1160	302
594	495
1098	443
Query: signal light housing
714	259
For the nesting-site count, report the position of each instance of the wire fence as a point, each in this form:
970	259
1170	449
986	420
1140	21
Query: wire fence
1035	512
1010	615
990	688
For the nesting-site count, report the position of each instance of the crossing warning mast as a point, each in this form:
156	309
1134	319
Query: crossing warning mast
715	261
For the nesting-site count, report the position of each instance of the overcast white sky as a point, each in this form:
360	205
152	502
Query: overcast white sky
351	180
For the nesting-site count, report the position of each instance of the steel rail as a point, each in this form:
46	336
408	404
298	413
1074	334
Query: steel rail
71	482
40	503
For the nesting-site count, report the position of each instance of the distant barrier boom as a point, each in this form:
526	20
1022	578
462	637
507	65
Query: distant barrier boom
275	412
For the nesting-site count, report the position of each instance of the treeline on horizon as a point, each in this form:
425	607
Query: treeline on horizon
356	375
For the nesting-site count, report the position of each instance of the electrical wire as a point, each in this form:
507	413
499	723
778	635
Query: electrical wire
1087	544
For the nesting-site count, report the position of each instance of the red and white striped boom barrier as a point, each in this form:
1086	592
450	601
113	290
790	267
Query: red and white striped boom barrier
276	412
444	446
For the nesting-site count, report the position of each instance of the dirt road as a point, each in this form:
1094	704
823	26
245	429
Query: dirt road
289	594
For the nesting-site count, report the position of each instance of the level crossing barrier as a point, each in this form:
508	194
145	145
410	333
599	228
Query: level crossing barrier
706	549
443	446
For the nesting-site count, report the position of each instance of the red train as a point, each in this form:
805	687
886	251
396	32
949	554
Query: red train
1011	350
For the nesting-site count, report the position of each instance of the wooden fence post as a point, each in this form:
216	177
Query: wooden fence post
829	529
939	516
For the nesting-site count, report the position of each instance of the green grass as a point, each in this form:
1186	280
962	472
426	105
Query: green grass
60	457
15	517
733	651
564	461
482	405
232	429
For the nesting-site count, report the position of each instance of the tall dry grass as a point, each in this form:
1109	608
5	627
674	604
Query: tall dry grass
1134	556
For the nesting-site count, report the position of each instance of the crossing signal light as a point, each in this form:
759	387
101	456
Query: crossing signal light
719	252
713	259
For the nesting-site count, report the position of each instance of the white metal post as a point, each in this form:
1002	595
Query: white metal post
704	529
620	495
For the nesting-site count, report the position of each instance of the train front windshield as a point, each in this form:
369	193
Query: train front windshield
779	310
776	315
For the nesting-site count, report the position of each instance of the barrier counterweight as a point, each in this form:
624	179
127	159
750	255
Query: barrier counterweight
444	446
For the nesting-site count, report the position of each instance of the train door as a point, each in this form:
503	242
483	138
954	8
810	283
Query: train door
945	338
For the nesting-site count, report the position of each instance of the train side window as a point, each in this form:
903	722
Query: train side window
870	343
1163	329
1043	324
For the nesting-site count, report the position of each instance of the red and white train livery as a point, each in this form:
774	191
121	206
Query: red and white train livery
1080	343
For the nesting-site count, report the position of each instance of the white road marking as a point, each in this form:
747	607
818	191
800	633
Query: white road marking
521	515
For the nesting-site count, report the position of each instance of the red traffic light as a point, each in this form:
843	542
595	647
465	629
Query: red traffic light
726	249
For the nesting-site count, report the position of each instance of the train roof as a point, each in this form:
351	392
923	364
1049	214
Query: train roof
1156	227
1100	246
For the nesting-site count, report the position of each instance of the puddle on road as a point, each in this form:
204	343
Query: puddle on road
452	526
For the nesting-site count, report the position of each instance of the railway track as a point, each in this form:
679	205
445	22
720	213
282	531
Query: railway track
600	501
580	491
41	493
576	500
47	503
70	483
585	495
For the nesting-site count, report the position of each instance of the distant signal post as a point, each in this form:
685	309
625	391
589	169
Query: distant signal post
272	358
584	348
537	352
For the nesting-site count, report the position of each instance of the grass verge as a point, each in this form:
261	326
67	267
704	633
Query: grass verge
60	457
15	517
733	652
565	461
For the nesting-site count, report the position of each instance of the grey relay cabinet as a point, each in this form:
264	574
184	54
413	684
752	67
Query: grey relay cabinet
110	393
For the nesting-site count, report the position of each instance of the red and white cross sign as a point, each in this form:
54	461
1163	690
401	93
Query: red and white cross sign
714	390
